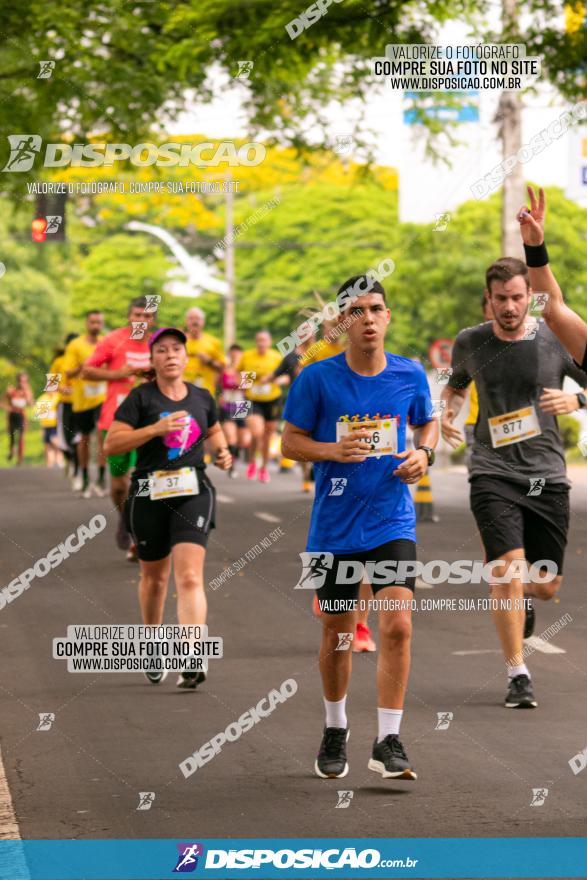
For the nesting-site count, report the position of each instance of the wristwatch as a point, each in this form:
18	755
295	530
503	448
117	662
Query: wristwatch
430	452
582	400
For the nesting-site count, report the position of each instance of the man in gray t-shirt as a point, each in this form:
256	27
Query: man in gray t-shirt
519	487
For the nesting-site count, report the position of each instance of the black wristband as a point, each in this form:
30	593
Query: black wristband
536	255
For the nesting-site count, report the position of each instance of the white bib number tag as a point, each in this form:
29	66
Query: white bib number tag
513	427
172	484
95	389
382	437
261	390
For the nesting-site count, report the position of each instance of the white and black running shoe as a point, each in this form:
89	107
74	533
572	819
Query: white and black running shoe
390	760
520	694
331	762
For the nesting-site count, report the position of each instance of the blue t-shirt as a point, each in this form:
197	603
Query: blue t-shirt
374	506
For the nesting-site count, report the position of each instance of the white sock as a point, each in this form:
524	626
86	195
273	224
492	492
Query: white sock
335	713
388	721
522	669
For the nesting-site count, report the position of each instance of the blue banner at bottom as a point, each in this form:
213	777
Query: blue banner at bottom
366	858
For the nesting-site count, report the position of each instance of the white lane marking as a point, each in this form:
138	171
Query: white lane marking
8	824
545	647
268	517
224	499
483	651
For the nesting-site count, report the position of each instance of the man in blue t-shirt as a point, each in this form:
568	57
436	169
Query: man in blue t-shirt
348	414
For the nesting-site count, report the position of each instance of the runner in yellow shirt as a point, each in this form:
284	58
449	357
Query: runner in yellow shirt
46	413
66	436
205	354
265	400
87	403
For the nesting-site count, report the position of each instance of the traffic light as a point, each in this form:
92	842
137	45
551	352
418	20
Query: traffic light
38	229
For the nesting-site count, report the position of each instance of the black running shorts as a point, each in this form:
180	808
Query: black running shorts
400	550
157	526
269	409
508	518
85	422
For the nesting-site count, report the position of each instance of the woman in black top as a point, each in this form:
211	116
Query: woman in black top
172	501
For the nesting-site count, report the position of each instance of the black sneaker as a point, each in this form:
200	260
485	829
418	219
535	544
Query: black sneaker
188	681
389	758
530	619
331	762
520	694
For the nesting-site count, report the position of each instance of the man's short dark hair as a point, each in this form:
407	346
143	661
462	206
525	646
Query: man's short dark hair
139	302
364	282
235	347
93	312
506	269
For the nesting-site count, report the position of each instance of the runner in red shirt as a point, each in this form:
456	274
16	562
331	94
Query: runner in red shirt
121	358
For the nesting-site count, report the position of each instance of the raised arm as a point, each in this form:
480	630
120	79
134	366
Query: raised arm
566	324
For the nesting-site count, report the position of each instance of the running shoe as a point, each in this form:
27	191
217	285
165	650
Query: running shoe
232	474
264	475
157	677
99	490
131	554
520	694
189	681
390	760
316	606
77	484
307	486
123	539
252	471
87	491
530	619
331	762
363	641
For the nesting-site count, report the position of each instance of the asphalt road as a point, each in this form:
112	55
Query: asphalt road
114	735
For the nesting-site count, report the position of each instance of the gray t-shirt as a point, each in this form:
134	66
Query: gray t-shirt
511	376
